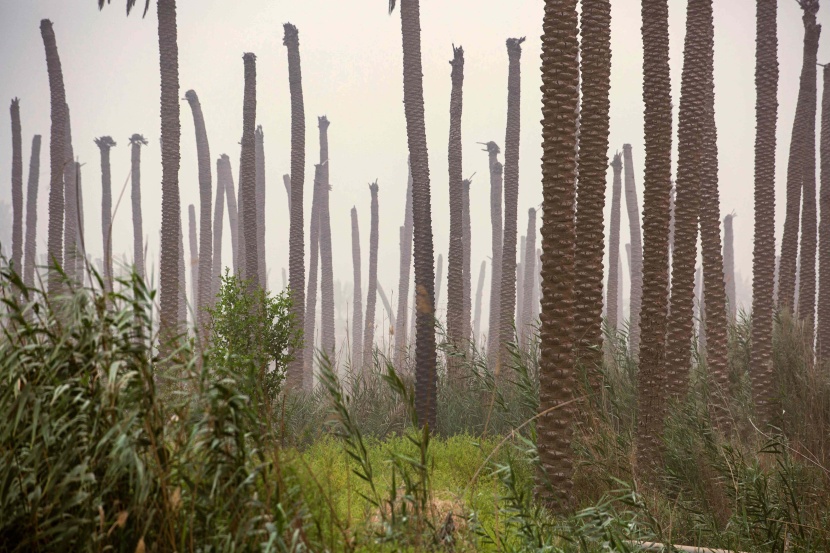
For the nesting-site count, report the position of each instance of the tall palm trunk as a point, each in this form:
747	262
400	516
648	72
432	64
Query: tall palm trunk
656	193
413	94
80	257
260	207
466	307
57	144
194	264
633	206
595	58
496	186
795	163
136	141
560	98
614	247
203	280
455	252
479	292
530	277
313	260
511	199
823	326
327	335
247	172
31	214
105	143
401	330
70	219
222	175
520	290
182	297
17	188
357	310
233	215
371	293
729	266
296	266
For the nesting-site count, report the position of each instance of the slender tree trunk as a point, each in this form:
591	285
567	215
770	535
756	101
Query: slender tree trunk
614	247
369	331
413	92
357	311
530	278
327	335
520	290
296	267
105	143
560	98
260	208
136	141
233	215
313	260
80	237
595	58
636	252
455	251
656	199
194	264
479	292
466	312
729	267
795	164
823	326
511	199
202	281
222	177
57	144
70	220
286	181
17	188
496	173
439	274
405	241
247	173
31	215
182	298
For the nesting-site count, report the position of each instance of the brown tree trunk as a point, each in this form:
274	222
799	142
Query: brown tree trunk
247	173
636	299
70	219
614	247
194	264
233	216
466	307
260	208
496	173
222	176
80	258
455	251
729	267
327	336
357	310
104	144
31	217
529	278
371	291
823	326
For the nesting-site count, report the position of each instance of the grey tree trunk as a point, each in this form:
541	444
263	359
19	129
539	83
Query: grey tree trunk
520	291
182	297
611	307
31	215
403	279
369	329
286	181
105	143
233	215
260	207
466	314
136	141
537	290
327	335
455	251
17	189
636	252
194	264
80	246
529	277
222	176
729	266
313	260
496	171
479	292
70	221
357	311
247	172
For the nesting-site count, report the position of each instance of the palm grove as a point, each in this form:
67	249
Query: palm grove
551	300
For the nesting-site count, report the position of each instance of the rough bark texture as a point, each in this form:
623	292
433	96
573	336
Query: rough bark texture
795	163
496	187
203	280
729	267
413	94
823	322
595	74
560	97
296	266
194	261
466	278
371	292
233	215
611	307
136	141
405	243
70	218
104	143
260	208
313	261
520	288
656	193
511	200
31	216
327	336
222	175
455	251
530	278
80	248
17	188
170	161
764	264
636	298
357	309
247	171
479	292
182	298
57	139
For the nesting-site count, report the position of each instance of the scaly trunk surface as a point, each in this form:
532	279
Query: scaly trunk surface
105	143
247	173
611	304
136	141
357	309
31	215
17	188
455	251
636	299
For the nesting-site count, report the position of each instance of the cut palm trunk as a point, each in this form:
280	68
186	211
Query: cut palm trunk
262	270
372	285
455	251
194	263
31	217
611	311
496	173
136	141
222	175
105	143
327	336
357	297
636	298
17	188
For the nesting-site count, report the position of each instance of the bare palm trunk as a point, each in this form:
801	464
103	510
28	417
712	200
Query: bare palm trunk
369	331
222	176
17	189
636	252
496	187
529	277
327	333
70	220
729	266
614	247
405	241
194	264
312	283
260	208
136	141
520	290
455	251
296	267
105	143
233	216
466	312
511	199
479	293
247	174
31	215
182	298
357	300
80	248
823	326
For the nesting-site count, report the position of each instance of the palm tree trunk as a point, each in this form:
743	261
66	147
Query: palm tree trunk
57	145
182	298
247	173
823	326
529	277
31	215
466	312
170	161
369	329
479	293
401	330
439	275
203	281
105	143
295	378
511	199
614	247
795	164
260	208
560	98
233	215
313	259
357	311
327	335
194	265
222	176
80	257
17	188
496	173
70	220
636	252
455	252
136	141
595	57
729	266
520	290
656	199
413	93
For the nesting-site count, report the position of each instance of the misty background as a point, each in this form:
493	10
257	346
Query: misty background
352	73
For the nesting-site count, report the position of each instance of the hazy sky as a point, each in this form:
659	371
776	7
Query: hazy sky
351	63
